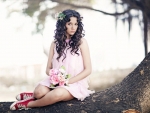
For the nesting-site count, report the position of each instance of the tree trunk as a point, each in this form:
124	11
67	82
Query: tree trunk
145	21
133	93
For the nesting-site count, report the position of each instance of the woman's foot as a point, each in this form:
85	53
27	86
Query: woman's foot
19	105
24	95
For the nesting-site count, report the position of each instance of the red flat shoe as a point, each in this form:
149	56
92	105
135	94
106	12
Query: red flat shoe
19	105
24	95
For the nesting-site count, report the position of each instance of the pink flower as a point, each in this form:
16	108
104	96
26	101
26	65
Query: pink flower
58	77
53	72
61	77
54	79
61	83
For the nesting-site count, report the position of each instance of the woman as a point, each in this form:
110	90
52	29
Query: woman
69	49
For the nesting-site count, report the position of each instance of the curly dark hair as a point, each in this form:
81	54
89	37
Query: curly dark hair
60	34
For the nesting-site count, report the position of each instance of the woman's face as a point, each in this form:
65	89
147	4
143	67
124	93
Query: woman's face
71	26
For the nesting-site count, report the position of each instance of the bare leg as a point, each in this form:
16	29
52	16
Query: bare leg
40	91
56	95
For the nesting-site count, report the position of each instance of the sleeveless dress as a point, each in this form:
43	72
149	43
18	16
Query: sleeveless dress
74	65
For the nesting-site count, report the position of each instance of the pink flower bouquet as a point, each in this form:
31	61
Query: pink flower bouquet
58	77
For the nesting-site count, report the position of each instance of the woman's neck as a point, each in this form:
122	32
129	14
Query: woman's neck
68	36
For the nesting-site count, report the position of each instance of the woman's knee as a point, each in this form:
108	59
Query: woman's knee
58	93
40	91
62	94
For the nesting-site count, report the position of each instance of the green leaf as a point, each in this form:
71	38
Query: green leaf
51	85
61	16
68	76
63	67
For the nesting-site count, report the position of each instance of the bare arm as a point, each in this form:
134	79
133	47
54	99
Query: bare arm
86	61
49	63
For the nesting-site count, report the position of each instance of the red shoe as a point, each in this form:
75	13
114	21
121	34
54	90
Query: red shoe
19	105
23	96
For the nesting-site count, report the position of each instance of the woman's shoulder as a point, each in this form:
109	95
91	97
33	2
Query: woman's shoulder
53	43
83	42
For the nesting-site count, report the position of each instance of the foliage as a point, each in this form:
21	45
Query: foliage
44	9
142	8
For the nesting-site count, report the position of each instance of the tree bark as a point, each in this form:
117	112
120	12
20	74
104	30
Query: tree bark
145	23
133	93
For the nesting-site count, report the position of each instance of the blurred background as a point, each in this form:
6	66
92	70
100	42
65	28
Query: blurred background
116	30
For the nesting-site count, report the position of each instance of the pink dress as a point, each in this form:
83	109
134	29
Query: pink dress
73	65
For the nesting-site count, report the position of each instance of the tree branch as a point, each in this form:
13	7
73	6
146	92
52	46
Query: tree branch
87	7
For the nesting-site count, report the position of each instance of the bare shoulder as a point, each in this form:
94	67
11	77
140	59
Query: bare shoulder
83	40
53	44
83	43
